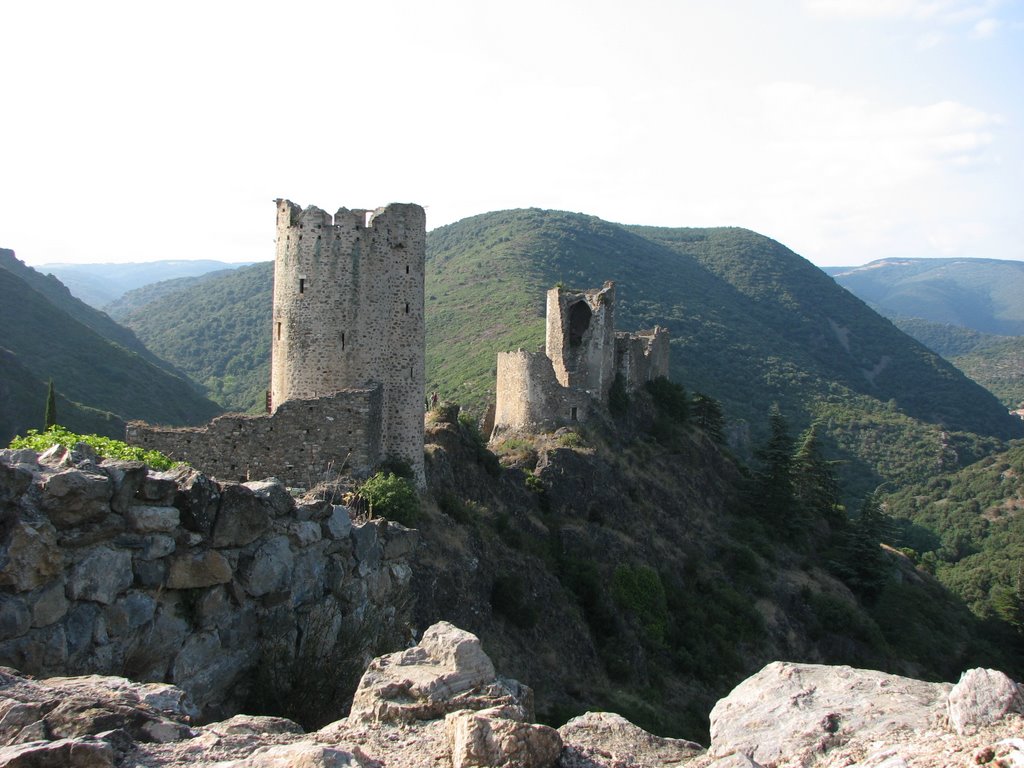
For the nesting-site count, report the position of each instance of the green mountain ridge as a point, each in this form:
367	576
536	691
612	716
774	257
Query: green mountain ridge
986	295
104	380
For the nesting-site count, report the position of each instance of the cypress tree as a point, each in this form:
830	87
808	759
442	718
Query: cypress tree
773	483
50	417
707	412
815	488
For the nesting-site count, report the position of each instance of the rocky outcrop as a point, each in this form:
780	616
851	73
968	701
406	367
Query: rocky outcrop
790	715
434	706
222	589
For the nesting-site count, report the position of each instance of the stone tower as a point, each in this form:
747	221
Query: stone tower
348	313
580	339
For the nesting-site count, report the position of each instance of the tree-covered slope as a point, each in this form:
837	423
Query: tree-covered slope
995	362
969	528
86	367
215	328
983	294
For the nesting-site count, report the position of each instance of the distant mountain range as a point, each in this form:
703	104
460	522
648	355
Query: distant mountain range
100	284
101	371
985	295
751	322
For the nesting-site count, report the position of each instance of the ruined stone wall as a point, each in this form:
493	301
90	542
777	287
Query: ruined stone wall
642	356
302	443
580	338
530	397
349	312
110	568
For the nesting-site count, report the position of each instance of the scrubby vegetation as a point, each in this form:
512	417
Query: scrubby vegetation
392	496
105	447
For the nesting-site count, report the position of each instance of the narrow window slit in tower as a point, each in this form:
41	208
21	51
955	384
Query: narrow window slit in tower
302	285
572	414
342	341
407	269
407	307
278	331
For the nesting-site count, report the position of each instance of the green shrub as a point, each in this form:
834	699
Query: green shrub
571	440
393	497
105	447
670	399
509	598
640	591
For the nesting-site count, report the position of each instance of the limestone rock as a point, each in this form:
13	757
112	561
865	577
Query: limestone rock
338	524
101	575
605	738
446	672
33	557
295	756
201	569
981	697
274	493
489	738
271	567
127	478
50	605
14	479
800	711
63	753
241	519
197	499
73	497
152	519
253	725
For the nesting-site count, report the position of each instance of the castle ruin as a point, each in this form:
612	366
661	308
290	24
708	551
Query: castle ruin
583	355
347	355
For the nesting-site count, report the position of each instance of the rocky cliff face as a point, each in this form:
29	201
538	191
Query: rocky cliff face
440	704
236	593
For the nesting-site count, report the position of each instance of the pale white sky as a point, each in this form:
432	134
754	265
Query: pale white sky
847	129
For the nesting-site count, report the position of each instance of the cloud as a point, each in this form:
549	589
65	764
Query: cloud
977	15
985	28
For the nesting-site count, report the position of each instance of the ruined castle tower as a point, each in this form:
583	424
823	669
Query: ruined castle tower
348	313
580	338
583	355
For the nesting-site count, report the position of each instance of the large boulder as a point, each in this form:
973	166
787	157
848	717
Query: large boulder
446	672
798	712
982	696
496	737
607	739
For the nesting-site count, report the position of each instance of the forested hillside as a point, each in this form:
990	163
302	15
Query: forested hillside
104	381
995	362
215	328
968	527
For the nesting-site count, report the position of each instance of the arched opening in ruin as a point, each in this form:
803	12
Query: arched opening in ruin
579	321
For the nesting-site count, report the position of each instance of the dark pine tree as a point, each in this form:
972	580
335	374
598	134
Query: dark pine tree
707	413
50	417
815	487
773	481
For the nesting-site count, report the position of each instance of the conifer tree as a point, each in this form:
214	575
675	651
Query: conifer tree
50	417
707	413
773	483
815	488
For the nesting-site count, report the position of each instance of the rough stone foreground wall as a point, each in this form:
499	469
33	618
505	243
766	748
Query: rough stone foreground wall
169	576
303	442
529	396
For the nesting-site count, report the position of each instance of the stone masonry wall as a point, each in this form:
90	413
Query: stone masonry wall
349	312
642	356
107	567
303	442
529	397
